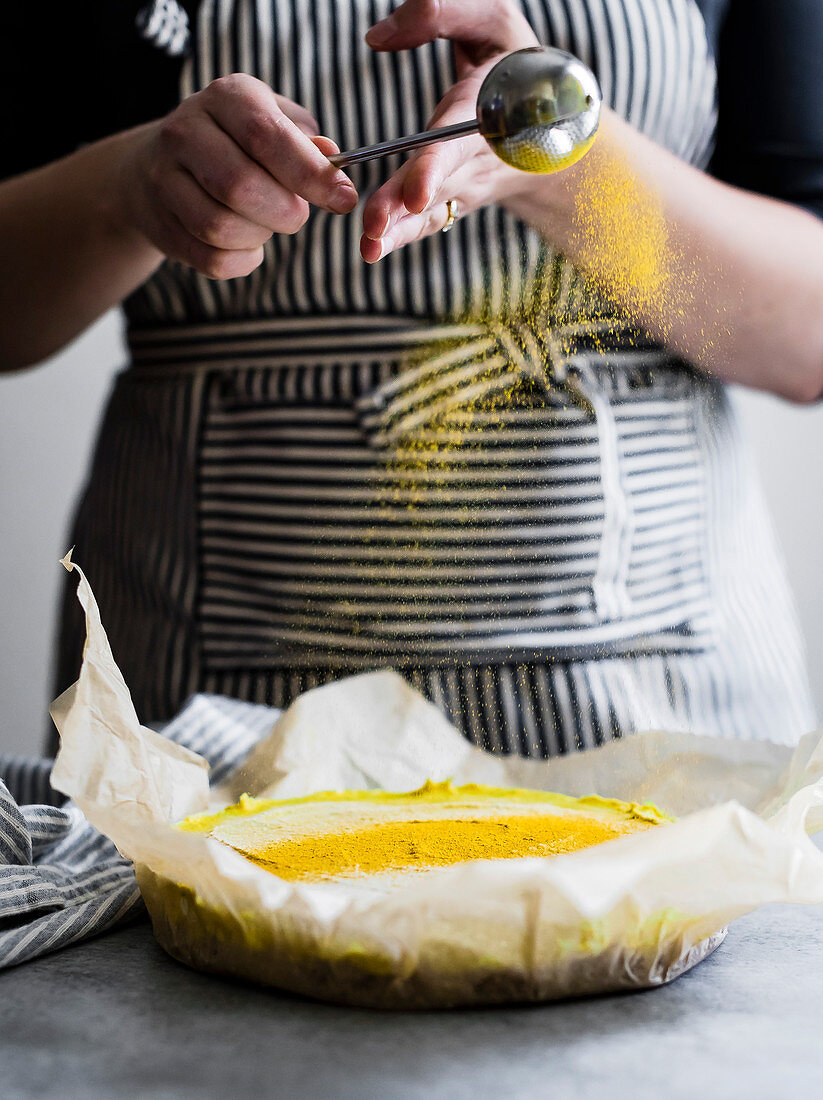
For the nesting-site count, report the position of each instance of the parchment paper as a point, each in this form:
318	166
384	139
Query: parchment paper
634	912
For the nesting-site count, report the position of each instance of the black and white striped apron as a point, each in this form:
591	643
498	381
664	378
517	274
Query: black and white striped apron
327	467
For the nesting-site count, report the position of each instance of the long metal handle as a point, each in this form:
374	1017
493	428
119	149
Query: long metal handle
402	145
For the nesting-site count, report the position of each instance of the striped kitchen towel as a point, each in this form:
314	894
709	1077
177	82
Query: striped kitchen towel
61	881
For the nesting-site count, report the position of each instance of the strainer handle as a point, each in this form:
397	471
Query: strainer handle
404	144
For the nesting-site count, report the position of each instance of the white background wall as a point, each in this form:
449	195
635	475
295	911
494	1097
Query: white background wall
48	419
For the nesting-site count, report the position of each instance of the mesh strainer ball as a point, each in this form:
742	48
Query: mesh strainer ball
539	109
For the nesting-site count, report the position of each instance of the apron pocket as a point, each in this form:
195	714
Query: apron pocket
513	530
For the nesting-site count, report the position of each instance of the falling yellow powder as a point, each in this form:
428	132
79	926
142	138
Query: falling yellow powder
622	239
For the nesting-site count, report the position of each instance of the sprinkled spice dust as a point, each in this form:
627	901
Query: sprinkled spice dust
621	234
448	416
455	416
640	262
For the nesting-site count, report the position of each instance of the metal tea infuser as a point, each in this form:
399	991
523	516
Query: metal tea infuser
538	109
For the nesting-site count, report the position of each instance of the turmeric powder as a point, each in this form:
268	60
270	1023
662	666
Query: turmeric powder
622	237
356	833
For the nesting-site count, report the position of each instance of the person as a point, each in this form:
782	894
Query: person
554	563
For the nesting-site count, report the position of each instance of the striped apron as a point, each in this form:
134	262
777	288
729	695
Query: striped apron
574	562
302	474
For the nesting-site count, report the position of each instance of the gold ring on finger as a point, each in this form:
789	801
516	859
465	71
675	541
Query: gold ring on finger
452	214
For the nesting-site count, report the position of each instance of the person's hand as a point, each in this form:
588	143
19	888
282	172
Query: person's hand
412	204
211	182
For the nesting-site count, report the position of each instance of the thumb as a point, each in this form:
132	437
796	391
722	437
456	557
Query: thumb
326	146
432	165
493	25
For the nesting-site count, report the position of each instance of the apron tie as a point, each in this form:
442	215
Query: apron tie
478	369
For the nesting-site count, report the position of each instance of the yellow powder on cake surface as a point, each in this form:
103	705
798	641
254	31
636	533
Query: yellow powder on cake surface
342	835
405	845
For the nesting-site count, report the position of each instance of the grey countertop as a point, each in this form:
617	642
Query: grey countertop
116	1017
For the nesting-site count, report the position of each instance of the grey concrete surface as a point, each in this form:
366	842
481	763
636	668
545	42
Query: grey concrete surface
116	1018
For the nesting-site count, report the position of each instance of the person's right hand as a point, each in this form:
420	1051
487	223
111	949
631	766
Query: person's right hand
211	182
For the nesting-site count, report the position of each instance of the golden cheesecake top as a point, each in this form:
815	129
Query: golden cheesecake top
338	835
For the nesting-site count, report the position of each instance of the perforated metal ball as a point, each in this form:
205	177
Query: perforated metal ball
539	109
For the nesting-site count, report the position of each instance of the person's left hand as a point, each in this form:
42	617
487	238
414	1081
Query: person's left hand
412	204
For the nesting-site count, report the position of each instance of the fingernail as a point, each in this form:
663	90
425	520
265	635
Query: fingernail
381	32
343	198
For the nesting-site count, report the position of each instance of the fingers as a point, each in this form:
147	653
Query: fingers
174	239
416	185
248	111
436	163
413	188
386	204
476	181
412	227
428	172
207	220
493	25
468	185
229	176
217	264
326	146
229	167
190	227
301	117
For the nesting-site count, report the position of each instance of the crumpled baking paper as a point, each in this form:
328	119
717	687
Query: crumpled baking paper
634	912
